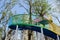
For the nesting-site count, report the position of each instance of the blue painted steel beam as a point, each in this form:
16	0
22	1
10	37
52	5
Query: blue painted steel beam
35	28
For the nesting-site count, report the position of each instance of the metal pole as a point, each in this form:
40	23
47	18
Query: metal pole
42	35
57	37
16	34
38	34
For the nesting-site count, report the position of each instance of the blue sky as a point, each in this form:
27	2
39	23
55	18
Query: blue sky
18	9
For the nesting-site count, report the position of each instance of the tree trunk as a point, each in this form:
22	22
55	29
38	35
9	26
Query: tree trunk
30	19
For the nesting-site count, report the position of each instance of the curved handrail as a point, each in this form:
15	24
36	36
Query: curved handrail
35	28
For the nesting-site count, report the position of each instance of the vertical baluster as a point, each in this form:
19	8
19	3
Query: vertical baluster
16	33
57	37
42	35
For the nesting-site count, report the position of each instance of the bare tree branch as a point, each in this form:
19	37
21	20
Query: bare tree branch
23	7
56	18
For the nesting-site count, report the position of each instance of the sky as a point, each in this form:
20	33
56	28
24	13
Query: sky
20	10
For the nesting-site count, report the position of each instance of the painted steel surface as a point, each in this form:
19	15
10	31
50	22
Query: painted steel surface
23	24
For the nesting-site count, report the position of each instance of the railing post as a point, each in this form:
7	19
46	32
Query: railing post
57	37
16	34
42	35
